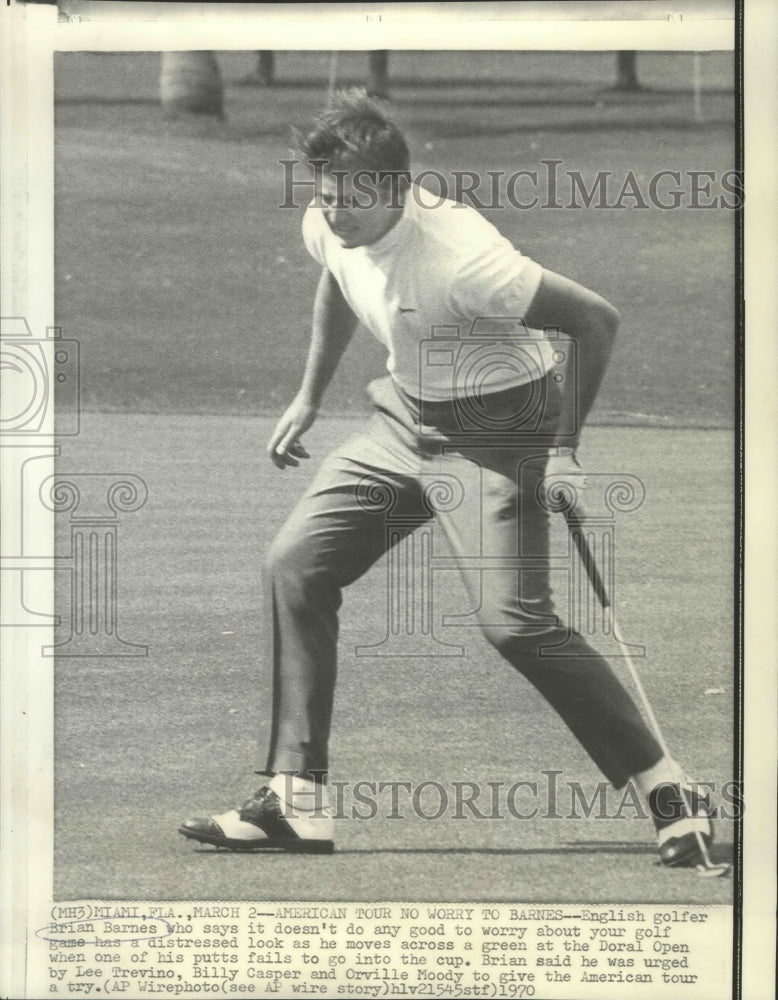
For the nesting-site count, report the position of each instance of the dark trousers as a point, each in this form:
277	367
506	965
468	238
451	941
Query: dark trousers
482	488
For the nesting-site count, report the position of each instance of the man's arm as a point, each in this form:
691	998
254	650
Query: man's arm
333	326
588	320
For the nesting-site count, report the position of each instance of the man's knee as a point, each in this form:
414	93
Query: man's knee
301	572
291	555
519	635
280	555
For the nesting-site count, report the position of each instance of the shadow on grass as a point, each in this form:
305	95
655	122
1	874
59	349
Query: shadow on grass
463	131
474	83
106	100
237	129
719	853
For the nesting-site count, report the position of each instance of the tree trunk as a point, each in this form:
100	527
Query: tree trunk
266	68
627	71
378	77
190	83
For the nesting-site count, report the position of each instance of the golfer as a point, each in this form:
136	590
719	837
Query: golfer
438	286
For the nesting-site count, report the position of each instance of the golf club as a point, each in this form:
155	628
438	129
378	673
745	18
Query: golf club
576	525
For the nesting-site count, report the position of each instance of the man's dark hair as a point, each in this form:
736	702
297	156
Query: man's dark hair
355	133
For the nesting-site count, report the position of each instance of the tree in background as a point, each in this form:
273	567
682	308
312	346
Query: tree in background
264	72
377	77
378	73
191	83
266	68
627	71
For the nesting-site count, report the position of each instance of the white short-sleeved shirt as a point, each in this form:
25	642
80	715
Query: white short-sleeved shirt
444	291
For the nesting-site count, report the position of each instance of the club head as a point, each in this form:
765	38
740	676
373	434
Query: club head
710	870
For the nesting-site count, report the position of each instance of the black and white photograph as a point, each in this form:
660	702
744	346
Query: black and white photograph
376	527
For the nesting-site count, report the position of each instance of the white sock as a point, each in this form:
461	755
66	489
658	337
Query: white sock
302	794
664	771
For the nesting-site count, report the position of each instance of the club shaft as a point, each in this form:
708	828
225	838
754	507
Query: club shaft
576	526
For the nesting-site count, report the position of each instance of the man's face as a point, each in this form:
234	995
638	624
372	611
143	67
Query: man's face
358	209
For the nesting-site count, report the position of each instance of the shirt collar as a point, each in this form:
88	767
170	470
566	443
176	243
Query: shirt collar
397	234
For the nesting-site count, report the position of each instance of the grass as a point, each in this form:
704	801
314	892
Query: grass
142	743
190	290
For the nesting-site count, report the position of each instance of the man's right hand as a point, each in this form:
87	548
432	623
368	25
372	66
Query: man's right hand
564	484
284	446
